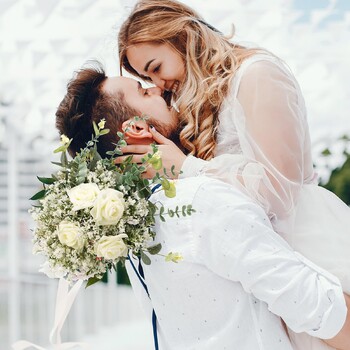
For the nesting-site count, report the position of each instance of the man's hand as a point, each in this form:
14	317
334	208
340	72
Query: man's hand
171	155
342	340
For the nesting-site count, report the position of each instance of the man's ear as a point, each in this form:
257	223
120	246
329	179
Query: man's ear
136	129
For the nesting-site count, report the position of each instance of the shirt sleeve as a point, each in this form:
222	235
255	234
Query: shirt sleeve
236	242
270	120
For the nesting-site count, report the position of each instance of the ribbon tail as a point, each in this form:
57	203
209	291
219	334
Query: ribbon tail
23	344
64	302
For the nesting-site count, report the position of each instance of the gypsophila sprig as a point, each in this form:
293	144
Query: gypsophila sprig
92	213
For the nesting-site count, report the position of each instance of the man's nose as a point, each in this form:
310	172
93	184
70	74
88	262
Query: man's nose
154	91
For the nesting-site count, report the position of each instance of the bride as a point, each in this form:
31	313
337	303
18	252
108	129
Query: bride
243	121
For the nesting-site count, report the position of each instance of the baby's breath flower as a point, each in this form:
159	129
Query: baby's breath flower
78	231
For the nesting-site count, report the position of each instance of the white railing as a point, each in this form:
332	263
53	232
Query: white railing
33	300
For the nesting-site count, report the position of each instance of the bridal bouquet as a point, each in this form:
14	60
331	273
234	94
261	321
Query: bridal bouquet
91	213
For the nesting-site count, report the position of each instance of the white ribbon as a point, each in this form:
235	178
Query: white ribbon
64	301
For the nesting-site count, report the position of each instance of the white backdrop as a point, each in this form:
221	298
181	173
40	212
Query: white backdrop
43	41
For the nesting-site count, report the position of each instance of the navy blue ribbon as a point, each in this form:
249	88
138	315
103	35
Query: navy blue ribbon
141	276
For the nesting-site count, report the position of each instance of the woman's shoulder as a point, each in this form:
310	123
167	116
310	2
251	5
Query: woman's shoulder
261	66
261	62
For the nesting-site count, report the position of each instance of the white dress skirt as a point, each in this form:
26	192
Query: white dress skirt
263	146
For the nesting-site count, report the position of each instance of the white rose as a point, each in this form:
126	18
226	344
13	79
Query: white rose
83	196
111	247
71	235
109	207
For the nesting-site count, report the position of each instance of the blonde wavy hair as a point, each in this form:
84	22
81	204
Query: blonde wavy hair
210	61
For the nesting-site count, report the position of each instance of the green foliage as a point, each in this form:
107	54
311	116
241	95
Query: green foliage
41	194
122	275
155	249
87	164
184	211
92	281
145	258
339	180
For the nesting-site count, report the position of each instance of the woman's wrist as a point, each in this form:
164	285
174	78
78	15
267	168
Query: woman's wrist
192	166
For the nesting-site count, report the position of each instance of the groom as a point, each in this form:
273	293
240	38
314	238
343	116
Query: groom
238	278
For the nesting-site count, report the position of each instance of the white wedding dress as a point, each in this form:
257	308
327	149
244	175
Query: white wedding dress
263	146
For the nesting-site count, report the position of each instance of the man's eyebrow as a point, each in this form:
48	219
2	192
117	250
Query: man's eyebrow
148	64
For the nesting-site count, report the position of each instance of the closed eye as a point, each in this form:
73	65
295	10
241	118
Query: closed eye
145	78
156	69
141	90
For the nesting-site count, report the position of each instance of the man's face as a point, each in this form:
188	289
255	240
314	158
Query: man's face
149	102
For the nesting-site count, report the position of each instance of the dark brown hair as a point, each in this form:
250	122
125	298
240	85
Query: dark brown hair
85	102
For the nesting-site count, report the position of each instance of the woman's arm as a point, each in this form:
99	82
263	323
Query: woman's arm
273	133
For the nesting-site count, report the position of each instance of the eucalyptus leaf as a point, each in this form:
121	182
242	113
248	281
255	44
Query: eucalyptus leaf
104	132
170	192
165	184
57	163
64	160
82	172
145	258
96	130
62	148
46	180
92	281
155	249
41	194
95	158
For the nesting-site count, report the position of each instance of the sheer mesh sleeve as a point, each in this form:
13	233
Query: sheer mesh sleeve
274	133
269	119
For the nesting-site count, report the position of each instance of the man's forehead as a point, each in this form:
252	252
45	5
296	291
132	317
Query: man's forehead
113	85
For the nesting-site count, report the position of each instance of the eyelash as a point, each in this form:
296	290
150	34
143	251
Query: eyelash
156	69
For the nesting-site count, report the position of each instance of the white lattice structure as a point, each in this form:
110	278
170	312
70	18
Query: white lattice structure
41	43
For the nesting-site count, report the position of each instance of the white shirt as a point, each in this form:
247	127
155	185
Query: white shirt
236	277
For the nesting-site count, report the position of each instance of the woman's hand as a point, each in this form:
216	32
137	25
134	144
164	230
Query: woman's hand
171	155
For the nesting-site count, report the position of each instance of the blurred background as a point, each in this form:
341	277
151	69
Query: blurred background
42	42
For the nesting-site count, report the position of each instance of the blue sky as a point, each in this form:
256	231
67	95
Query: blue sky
309	5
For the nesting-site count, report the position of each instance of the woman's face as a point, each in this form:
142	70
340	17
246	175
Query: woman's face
158	62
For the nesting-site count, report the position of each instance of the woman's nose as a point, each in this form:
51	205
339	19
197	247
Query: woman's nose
159	82
154	91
